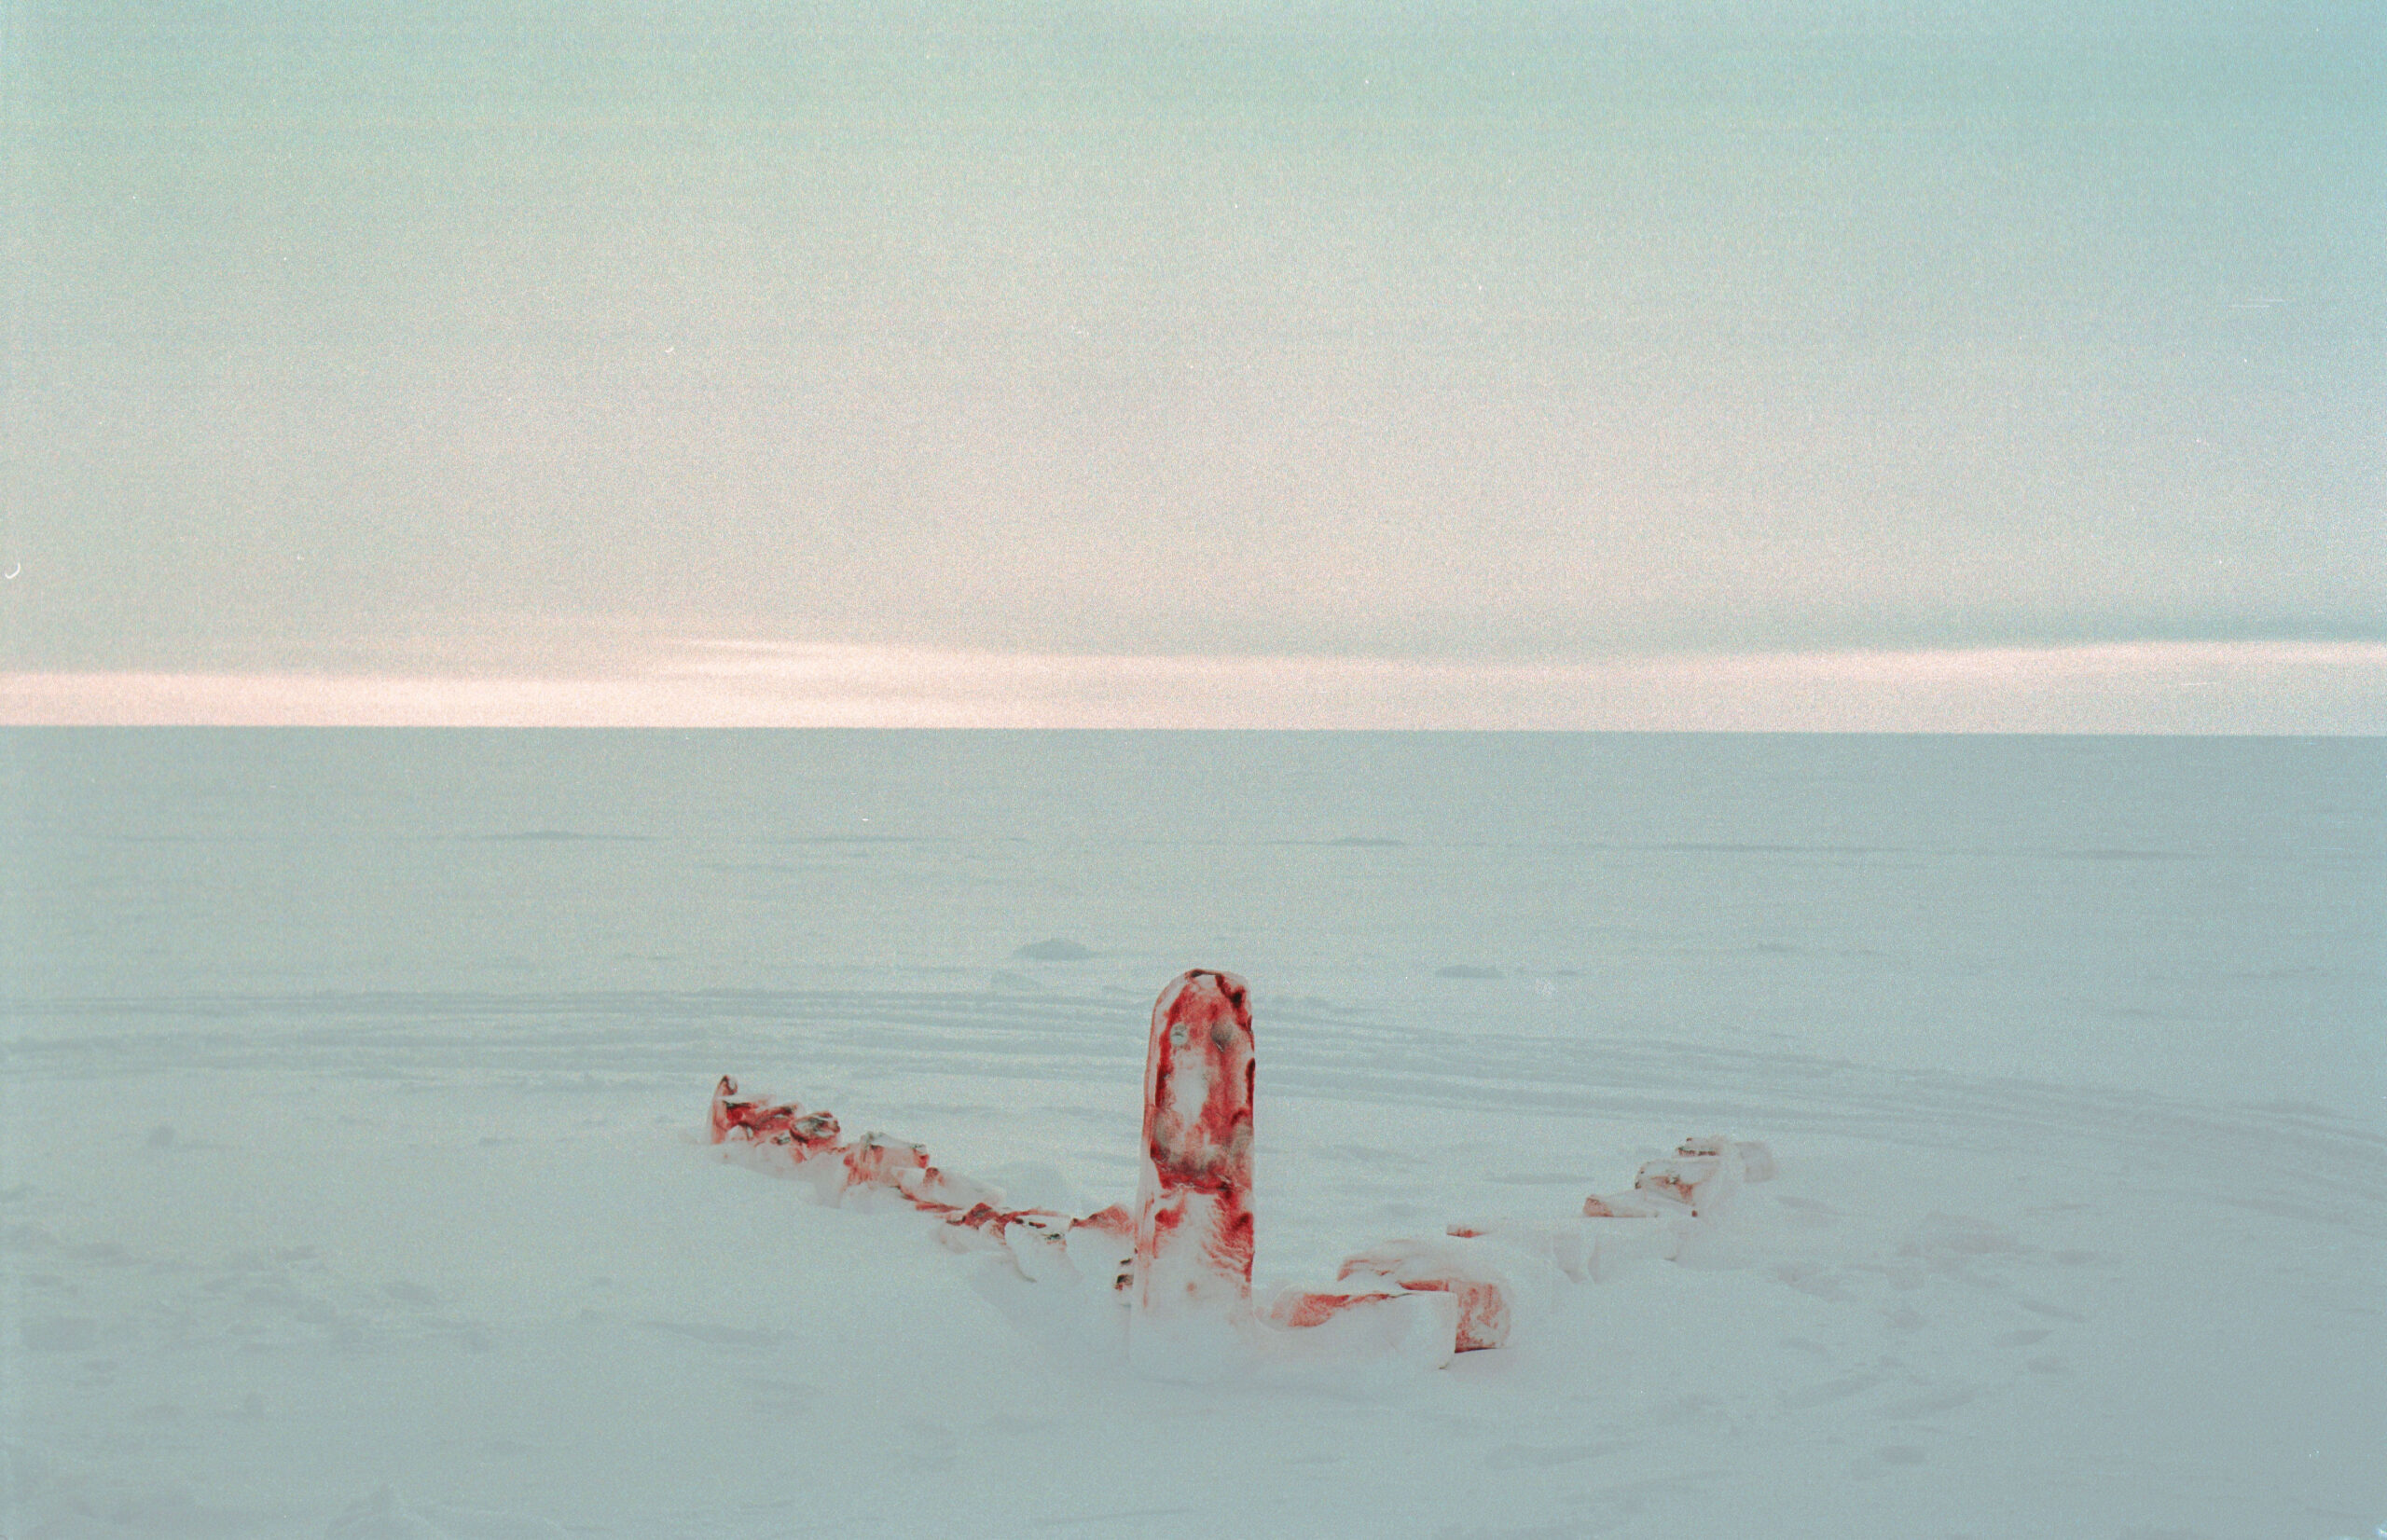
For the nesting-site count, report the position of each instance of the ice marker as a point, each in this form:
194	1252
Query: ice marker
1193	1221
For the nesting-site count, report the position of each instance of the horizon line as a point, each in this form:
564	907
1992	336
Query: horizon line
2176	688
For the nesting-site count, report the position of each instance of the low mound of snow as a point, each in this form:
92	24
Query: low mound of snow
1058	949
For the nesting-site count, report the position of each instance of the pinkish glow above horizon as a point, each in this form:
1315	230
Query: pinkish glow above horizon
2321	688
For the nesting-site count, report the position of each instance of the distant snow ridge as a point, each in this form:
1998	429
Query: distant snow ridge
1180	1261
1058	949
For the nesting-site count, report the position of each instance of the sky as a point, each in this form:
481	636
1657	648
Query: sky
1565	364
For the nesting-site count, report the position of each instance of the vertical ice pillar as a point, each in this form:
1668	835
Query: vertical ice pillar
1193	1263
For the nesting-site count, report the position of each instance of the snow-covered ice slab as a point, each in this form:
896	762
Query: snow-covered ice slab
1699	1179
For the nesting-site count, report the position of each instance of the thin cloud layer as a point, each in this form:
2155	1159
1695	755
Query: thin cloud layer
2199	688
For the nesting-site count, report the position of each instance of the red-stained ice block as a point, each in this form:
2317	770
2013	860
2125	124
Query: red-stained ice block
736	1117
1696	1180
801	1133
878	1160
1299	1310
1193	1221
1447	1267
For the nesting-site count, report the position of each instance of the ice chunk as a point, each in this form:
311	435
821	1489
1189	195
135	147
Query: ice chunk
1102	1246
1376	1329
1039	1244
762	1122
877	1159
1194	1221
1484	1291
1300	1308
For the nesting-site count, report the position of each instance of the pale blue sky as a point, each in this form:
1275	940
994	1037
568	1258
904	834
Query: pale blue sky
508	338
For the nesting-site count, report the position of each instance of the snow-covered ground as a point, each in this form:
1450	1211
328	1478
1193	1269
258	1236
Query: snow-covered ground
355	1182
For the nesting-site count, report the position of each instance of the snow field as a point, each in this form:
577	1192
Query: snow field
352	1181
525	1297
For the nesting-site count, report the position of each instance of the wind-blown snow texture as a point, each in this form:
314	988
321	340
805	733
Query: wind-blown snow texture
357	1184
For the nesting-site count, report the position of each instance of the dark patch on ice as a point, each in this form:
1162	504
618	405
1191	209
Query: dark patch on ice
1016	984
932	1445
1718	849
1058	949
782	1397
557	836
1811	1278
1465	970
1926	1405
161	1136
1902	1454
466	1337
1348	841
59	1333
1707	847
1831	1390
2020	1339
715	1336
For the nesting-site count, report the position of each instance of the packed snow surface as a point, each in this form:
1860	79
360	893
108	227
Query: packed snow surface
358	1183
